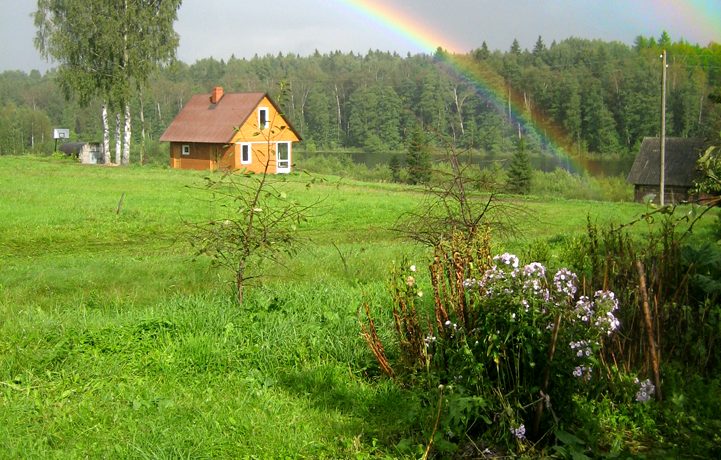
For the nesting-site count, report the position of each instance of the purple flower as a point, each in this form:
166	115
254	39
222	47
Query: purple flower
519	432
646	389
507	259
565	282
582	348
583	372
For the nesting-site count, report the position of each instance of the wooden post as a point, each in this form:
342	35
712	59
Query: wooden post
649	328
662	181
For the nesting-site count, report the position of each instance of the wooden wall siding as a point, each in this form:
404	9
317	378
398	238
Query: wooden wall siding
202	156
259	155
673	194
249	132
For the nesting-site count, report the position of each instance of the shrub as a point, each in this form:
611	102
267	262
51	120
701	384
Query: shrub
510	345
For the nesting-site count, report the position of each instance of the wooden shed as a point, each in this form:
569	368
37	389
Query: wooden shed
231	131
681	155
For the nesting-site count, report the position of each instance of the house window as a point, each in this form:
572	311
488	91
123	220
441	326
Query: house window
185	150
245	154
282	159
262	118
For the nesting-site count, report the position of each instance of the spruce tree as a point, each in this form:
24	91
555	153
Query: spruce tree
515	47
519	171
418	158
539	48
395	166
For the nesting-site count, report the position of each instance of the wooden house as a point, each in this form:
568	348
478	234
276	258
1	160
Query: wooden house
231	131
681	155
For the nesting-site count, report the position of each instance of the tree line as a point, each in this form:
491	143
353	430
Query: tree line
589	96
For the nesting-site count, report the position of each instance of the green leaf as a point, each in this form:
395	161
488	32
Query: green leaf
568	439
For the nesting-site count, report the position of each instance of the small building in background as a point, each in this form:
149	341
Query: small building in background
231	131
681	155
89	153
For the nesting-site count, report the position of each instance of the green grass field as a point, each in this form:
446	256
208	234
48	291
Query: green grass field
115	341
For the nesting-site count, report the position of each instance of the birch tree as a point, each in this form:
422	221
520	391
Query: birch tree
107	49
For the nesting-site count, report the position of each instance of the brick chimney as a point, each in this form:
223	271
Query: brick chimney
216	95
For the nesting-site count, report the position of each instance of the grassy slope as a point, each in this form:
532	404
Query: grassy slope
115	342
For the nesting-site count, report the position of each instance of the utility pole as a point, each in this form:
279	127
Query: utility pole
662	181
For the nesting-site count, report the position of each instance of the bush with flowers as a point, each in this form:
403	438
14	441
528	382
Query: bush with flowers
510	344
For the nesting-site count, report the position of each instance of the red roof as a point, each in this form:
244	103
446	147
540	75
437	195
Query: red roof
202	121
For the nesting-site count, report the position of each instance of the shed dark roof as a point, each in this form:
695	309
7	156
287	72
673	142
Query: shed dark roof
74	147
680	158
202	121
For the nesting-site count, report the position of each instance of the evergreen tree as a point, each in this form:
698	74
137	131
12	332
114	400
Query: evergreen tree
482	53
539	48
519	171
515	47
395	166
418	158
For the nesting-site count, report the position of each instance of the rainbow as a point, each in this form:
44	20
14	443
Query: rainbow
492	88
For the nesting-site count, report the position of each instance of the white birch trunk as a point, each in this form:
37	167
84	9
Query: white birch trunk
118	140
339	125
459	108
142	130
106	136
126	139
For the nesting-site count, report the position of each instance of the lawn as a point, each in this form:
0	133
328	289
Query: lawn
116	341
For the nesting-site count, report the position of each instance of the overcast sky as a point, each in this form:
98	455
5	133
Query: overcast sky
221	28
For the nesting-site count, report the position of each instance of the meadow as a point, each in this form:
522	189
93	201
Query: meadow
116	340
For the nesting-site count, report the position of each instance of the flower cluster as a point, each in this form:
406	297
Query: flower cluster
430	339
519	432
506	269
646	389
583	350
470	283
583	372
595	315
566	283
599	312
606	305
534	275
583	347
507	259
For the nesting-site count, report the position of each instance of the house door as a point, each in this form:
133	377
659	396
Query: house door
282	157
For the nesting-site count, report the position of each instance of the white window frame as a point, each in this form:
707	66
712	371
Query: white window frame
267	117
185	149
250	153
278	168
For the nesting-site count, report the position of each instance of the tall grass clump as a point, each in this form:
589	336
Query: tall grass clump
563	184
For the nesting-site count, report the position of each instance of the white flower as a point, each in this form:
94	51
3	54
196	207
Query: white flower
413	268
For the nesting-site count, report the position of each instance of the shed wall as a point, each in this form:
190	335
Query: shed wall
672	194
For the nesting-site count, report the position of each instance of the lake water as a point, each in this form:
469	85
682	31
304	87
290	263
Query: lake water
597	167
